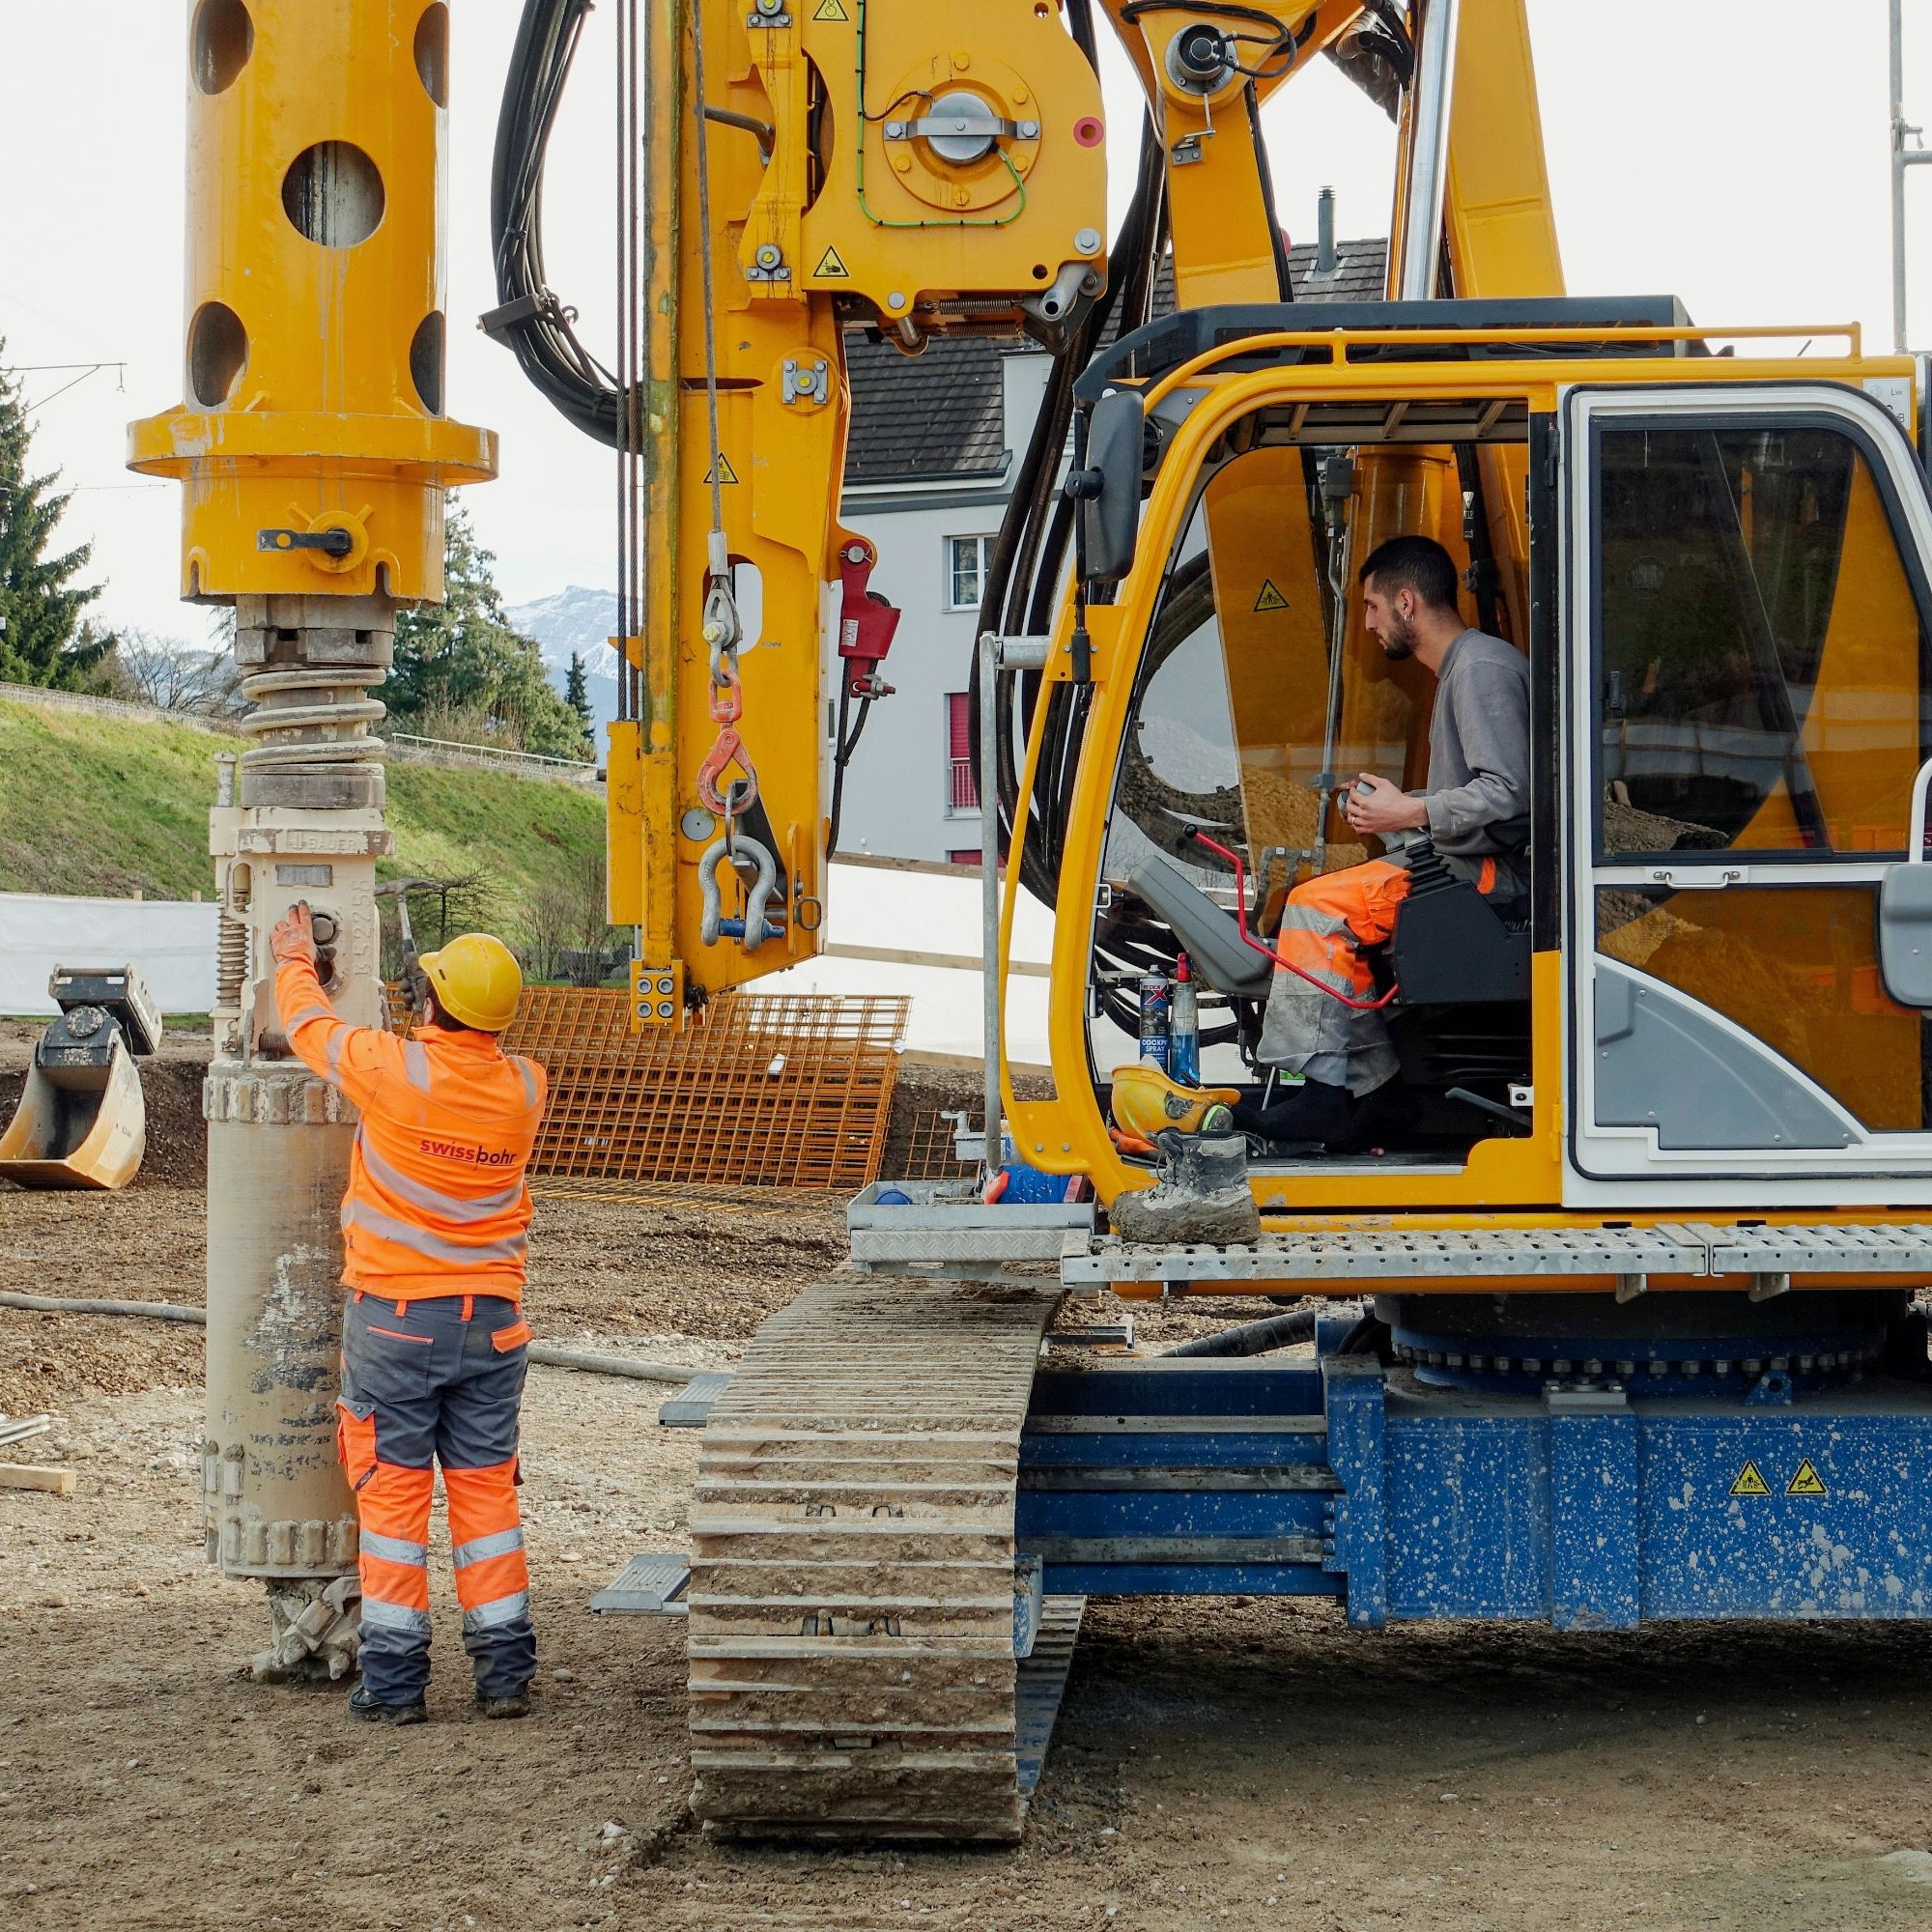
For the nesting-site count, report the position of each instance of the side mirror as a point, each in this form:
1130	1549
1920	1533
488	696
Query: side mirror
1108	490
1905	912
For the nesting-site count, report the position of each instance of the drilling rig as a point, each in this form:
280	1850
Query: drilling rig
1631	1331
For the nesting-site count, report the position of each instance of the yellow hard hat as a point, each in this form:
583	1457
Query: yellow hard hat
1146	1100
477	980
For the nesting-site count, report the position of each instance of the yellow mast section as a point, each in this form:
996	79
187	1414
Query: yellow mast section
863	159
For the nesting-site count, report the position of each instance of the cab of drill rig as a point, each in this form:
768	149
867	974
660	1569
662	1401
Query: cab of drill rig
1717	565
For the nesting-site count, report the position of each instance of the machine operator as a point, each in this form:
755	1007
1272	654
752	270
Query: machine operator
435	1227
1475	811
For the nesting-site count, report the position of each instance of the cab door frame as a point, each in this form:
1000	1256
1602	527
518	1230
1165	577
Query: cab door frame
1623	1165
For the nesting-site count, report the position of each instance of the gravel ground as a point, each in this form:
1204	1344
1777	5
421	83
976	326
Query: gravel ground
1244	1761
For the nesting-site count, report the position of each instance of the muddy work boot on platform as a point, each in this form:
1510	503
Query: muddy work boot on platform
371	1710
1202	1194
516	1705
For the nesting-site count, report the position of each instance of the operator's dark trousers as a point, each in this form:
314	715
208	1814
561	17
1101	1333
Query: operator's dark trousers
437	1382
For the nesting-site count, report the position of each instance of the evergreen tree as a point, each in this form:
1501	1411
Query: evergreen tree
577	695
41	638
460	668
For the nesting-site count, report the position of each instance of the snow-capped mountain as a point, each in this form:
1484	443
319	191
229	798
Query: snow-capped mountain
581	620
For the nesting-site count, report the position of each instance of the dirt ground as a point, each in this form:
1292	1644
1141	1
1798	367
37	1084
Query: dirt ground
1250	1762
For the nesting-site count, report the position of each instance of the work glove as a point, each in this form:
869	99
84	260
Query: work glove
294	937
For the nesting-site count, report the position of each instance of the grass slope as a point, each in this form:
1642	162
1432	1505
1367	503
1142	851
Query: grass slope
100	806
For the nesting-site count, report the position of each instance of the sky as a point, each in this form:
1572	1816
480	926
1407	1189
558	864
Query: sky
1735	156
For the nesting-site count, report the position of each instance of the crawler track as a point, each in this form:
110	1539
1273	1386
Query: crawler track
851	1599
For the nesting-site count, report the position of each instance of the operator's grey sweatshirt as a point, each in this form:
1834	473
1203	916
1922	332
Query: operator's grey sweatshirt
1478	790
1478	802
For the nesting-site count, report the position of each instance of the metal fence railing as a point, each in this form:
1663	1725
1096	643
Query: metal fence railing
965	792
532	764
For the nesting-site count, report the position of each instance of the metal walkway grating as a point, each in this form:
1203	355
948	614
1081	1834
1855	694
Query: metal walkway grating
762	1090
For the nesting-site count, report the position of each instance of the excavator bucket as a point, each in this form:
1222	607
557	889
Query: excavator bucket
82	1121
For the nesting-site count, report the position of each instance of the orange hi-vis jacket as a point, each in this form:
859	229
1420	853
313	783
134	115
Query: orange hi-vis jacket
437	1202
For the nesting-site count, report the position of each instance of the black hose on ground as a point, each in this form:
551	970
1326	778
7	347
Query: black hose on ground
156	1311
547	1353
1254	1337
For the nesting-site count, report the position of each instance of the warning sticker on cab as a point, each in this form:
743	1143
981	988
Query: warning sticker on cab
830	10
1751	1483
1270	599
1805	1481
831	267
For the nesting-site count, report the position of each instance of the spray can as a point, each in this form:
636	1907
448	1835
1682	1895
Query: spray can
1184	1059
1157	1018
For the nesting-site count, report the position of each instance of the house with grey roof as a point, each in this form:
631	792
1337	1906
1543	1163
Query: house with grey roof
935	441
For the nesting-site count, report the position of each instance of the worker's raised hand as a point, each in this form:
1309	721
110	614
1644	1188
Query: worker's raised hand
293	936
1374	804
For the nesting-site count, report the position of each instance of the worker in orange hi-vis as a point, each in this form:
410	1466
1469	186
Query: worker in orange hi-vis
434	1226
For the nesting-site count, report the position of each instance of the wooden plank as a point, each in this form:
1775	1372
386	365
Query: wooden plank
954	962
37	1476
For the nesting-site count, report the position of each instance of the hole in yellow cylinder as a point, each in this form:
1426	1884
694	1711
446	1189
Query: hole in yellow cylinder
217	351
333	194
426	361
219	44
432	52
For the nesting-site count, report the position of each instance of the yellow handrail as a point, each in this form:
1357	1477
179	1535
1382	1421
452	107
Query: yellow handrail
1345	339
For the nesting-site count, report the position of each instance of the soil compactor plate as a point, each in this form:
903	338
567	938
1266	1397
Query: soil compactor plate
851	1596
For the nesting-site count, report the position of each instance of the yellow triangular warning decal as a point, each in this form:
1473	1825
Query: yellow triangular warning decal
829	264
1806	1482
725	472
830	10
1749	1483
1270	599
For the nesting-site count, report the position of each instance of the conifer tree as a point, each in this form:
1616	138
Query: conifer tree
463	669
42	640
577	695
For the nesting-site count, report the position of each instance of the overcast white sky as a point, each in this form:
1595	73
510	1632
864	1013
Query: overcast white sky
1733	154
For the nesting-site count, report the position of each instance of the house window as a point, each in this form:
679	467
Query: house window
963	783
966	563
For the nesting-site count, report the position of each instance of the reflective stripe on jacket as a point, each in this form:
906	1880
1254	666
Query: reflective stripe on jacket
437	1202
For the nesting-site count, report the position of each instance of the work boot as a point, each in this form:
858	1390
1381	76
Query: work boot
516	1705
371	1710
1202	1194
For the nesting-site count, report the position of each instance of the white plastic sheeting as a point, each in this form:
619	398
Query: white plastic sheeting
172	946
926	912
170	942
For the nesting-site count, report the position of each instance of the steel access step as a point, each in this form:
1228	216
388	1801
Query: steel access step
1765	1253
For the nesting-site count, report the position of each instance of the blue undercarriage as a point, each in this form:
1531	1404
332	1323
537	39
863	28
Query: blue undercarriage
1591	1508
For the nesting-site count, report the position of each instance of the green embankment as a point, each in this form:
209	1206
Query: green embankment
103	807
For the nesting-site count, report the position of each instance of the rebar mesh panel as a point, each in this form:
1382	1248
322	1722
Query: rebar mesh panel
761	1091
929	1154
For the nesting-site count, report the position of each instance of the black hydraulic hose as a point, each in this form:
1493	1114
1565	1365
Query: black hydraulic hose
843	745
529	319
1254	1337
1029	560
547	1353
60	1304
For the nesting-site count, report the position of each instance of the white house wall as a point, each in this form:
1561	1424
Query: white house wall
898	786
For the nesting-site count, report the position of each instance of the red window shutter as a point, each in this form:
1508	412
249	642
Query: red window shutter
958	726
